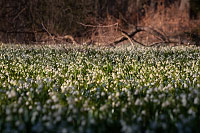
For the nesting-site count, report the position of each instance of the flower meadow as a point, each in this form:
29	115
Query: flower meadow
69	89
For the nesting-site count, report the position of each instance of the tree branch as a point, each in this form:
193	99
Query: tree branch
137	29
99	26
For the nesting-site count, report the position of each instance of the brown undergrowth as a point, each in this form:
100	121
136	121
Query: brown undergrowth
172	22
87	28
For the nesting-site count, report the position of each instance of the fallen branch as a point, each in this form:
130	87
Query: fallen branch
137	29
132	41
67	37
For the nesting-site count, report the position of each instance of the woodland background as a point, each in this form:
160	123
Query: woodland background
39	21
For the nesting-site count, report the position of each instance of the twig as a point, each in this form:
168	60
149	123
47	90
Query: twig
52	37
99	26
46	30
130	40
18	14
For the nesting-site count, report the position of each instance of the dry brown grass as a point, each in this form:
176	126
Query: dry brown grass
170	21
103	32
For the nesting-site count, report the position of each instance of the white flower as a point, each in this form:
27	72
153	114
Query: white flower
102	93
58	118
143	112
55	99
117	94
21	110
44	118
136	92
69	119
12	94
64	130
102	108
30	107
123	110
165	104
48	125
17	123
185	85
8	111
196	100
31	89
191	112
9	118
27	103
38	108
109	97
138	102
183	100
83	122
28	93
117	104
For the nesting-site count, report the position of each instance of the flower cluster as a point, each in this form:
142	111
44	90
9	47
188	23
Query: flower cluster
83	89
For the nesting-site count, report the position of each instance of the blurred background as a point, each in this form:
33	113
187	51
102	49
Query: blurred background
35	21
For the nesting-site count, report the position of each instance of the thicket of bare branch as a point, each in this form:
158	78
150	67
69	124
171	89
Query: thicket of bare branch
97	21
